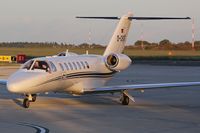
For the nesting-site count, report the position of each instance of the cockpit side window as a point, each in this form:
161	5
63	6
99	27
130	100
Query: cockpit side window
53	67
27	65
42	65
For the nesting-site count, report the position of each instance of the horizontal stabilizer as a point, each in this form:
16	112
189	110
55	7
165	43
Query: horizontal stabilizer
158	18
138	18
99	17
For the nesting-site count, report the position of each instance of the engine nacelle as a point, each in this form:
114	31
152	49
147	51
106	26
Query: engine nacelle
117	62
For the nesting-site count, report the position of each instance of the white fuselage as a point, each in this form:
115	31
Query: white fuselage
85	71
73	73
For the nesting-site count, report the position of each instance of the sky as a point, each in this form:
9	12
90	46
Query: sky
54	20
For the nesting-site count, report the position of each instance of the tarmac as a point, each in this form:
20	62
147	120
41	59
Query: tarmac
155	111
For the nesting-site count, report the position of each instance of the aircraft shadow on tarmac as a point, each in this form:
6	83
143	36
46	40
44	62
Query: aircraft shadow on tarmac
70	100
62	98
108	99
105	101
18	102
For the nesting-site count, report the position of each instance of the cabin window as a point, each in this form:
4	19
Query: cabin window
41	65
83	65
87	64
79	65
61	66
74	65
70	65
66	66
27	65
53	67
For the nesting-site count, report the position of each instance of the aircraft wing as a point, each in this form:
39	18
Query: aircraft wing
3	82
140	87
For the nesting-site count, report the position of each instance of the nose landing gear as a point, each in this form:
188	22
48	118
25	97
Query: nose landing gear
34	96
26	103
29	98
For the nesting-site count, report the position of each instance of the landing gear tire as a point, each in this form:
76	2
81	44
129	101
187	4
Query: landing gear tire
124	100
34	97
26	103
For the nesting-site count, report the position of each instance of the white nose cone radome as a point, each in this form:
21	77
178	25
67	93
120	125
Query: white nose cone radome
12	87
21	82
15	85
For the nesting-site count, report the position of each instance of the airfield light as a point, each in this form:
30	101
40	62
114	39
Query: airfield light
193	33
142	37
170	53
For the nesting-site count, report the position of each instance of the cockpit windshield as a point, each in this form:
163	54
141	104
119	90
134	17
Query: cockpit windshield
37	64
27	65
42	65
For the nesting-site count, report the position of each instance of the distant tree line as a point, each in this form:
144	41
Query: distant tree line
162	45
48	45
165	45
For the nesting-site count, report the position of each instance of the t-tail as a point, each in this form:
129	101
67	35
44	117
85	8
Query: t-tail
118	40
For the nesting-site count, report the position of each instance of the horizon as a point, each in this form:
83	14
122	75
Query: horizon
83	43
53	21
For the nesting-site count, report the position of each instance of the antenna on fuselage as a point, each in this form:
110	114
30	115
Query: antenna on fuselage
67	51
193	34
142	37
89	42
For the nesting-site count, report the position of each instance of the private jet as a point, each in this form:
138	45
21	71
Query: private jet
83	74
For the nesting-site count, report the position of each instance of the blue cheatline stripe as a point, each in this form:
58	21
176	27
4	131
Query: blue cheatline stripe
81	75
39	129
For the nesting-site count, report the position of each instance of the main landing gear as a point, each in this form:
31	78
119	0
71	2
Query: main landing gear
29	98
125	98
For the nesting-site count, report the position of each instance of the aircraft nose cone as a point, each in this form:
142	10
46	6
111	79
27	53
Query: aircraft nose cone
12	86
23	82
16	83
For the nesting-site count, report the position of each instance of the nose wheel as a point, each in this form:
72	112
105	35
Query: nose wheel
29	98
26	103
34	96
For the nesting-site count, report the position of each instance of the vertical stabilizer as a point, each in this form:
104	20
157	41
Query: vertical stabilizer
119	37
118	40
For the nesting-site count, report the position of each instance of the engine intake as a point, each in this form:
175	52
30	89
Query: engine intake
112	60
117	62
